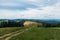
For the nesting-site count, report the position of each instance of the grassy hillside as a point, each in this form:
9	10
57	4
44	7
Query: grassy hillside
8	30
39	34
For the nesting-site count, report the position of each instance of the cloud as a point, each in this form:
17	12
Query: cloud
52	12
30	9
24	4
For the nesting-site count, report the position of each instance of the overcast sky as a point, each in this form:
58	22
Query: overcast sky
30	9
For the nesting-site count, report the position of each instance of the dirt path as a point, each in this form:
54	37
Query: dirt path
16	34
6	35
10	35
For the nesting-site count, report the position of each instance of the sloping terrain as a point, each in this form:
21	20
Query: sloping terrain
12	34
7	30
39	34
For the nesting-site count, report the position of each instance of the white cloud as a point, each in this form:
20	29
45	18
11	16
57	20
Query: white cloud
25	2
9	4
17	14
46	12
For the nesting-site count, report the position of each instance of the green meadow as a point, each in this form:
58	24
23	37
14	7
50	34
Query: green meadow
39	34
7	30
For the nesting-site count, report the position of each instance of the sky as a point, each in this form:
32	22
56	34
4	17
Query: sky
29	9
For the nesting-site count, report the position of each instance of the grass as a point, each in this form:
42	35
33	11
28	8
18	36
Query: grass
8	30
39	34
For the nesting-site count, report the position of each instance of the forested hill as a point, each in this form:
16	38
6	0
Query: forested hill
19	22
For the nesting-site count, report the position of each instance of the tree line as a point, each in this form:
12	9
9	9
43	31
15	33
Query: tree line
19	23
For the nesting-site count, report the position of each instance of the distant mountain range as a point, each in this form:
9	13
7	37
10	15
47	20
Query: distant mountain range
39	20
51	20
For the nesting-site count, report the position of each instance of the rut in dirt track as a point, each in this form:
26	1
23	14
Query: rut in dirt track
10	35
7	38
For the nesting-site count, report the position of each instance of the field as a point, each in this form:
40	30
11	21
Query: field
39	34
7	30
35	33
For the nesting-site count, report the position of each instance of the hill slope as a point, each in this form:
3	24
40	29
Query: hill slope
39	34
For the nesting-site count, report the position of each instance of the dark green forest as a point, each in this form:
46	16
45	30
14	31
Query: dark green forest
19	23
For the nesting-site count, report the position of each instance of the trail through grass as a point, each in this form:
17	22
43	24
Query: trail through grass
39	34
4	31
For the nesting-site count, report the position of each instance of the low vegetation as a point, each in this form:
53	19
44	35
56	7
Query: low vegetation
8	30
39	34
